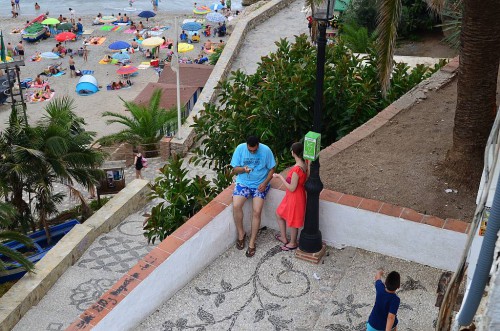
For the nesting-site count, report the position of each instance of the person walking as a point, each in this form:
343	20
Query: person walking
292	209
18	6
253	163
138	164
72	69
20	50
383	315
85	53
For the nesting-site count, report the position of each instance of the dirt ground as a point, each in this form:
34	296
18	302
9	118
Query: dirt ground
430	44
399	162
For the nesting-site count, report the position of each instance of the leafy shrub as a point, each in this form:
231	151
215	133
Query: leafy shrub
356	38
183	197
214	57
276	103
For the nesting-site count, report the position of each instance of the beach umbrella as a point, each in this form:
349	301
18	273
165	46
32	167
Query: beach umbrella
65	26
7	59
65	36
50	21
146	14
126	70
191	26
121	56
152	42
117	45
216	6
49	55
108	19
215	17
2	48
184	47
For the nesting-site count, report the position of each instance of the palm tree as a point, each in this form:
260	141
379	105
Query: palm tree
57	150
7	214
147	125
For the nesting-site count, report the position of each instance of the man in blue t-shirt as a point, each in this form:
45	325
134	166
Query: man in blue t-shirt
253	163
383	315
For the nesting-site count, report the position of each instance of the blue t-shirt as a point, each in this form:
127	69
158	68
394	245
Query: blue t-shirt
385	303
261	162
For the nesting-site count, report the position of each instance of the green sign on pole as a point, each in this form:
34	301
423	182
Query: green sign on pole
312	144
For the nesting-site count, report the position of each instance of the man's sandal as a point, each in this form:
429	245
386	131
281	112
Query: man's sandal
250	251
240	244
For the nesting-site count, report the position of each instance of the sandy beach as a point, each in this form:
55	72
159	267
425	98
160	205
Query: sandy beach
91	107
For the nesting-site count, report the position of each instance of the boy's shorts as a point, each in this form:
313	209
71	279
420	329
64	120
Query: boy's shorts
247	192
370	328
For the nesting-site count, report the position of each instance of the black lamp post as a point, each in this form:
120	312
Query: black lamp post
310	237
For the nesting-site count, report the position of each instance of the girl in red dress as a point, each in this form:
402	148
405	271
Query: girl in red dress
292	208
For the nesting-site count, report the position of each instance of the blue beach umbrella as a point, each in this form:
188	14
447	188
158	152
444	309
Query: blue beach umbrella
216	6
121	56
191	26
117	45
146	14
215	17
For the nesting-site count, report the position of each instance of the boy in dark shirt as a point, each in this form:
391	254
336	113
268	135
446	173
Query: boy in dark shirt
383	315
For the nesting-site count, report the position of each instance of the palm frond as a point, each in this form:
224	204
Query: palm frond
388	20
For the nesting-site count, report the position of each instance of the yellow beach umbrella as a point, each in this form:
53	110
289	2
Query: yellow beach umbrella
184	47
152	42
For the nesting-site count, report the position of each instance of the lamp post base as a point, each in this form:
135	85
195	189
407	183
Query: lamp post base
311	257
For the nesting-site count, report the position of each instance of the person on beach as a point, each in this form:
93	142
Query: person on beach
292	209
79	26
18	7
85	53
383	315
138	164
37	6
125	18
20	50
72	15
155	5
140	26
72	69
10	50
253	163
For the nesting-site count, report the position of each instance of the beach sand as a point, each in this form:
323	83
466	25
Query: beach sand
91	107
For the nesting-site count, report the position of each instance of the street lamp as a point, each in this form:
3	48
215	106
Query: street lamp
310	237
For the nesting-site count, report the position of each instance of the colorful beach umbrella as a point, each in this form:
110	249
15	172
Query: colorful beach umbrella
117	45
50	55
184	47
126	70
152	42
65	36
108	19
215	17
66	26
3	57
191	26
146	14
216	6
121	56
50	21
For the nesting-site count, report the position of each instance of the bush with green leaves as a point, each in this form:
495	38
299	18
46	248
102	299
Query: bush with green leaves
214	57
276	103
182	198
357	38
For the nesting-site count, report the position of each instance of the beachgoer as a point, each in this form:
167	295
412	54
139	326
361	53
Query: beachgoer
79	26
134	44
140	26
14	13
383	315
119	18
18	7
37	6
309	25
291	210
60	18
125	18
183	36
253	163
138	164
85	53
195	38
72	15
20	50
208	45
10	50
148	54
155	5
38	80
71	63
133	26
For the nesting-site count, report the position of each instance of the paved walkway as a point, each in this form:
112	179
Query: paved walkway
275	291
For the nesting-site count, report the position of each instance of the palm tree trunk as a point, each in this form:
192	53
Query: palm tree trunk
477	85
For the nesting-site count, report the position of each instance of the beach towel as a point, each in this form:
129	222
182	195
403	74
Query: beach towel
113	61
106	28
38	59
38	85
116	28
99	42
87	32
121	23
143	65
60	73
32	100
129	31
87	72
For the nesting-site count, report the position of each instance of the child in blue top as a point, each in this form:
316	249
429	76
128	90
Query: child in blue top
383	315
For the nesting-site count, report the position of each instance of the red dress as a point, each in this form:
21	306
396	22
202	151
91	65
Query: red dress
293	206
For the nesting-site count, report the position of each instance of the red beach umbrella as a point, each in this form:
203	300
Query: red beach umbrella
126	70
64	36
